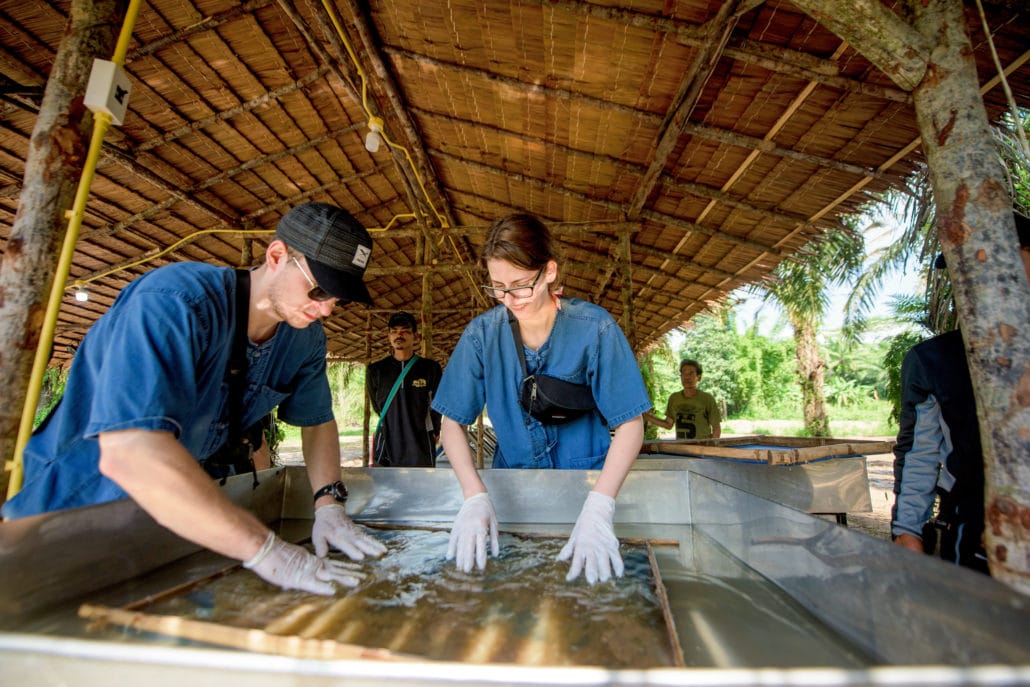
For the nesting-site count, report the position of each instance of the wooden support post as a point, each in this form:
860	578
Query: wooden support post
626	267
60	139
992	294
366	455
427	316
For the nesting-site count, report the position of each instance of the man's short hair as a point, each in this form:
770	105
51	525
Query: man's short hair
694	364
402	319
1022	229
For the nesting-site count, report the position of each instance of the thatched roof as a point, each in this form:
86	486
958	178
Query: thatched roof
706	141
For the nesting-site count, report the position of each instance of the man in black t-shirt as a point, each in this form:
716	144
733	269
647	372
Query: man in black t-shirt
408	430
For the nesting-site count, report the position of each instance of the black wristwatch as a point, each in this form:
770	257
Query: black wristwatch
337	489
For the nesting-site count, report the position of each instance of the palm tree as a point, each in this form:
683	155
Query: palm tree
802	289
914	209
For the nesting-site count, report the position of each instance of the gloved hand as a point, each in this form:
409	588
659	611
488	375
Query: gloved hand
593	544
332	526
291	567
470	530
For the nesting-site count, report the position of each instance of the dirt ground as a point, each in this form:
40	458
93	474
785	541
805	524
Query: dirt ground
880	469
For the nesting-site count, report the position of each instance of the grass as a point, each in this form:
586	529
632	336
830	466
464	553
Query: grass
868	419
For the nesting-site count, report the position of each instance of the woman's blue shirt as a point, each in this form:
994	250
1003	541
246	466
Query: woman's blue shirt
586	346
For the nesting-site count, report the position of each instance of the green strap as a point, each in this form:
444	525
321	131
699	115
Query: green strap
393	391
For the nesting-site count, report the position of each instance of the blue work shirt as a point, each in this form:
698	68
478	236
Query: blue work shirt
586	346
157	361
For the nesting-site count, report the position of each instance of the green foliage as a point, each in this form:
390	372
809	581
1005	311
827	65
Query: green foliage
54	380
657	367
767	373
897	347
713	341
347	381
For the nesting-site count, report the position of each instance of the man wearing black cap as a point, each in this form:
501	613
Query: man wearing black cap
401	388
147	398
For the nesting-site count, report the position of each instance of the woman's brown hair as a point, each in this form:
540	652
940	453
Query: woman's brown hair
520	239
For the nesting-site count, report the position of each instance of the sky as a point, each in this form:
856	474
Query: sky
895	283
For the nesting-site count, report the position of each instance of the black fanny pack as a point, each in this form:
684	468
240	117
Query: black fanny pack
550	400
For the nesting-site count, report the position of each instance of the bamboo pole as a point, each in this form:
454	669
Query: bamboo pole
238	638
663	599
366	455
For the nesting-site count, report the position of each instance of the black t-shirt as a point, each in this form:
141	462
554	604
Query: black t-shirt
405	437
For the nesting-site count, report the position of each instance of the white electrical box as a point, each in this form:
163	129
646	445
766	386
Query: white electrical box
108	90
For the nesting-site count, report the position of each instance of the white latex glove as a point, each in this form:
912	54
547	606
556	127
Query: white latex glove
593	544
332	526
475	521
291	567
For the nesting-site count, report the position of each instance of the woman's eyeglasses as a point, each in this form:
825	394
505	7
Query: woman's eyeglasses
526	291
317	293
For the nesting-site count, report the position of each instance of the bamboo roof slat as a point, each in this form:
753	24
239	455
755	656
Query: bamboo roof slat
724	137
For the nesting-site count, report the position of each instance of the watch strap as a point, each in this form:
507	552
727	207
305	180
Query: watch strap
335	489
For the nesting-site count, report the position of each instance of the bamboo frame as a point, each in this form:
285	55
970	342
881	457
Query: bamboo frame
794	451
238	638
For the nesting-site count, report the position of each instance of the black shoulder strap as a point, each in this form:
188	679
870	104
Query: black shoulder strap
517	336
238	369
238	357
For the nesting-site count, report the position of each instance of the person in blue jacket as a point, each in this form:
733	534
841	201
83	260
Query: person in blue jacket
565	339
147	399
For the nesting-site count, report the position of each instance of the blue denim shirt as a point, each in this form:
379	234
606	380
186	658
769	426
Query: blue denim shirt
157	361
586	346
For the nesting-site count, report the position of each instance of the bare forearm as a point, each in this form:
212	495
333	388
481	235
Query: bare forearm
321	447
455	444
667	423
168	483
624	449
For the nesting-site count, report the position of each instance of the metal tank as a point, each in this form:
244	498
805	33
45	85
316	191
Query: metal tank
783	598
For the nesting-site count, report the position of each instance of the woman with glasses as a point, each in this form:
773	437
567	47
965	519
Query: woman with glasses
565	339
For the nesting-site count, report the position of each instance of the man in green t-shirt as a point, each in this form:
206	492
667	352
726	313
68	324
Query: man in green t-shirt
694	412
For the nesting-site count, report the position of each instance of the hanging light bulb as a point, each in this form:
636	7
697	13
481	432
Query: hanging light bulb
81	294
372	139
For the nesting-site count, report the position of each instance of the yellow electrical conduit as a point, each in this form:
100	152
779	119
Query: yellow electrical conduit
101	123
78	283
382	132
61	284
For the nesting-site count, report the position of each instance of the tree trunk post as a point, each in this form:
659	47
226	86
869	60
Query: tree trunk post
53	166
811	373
977	233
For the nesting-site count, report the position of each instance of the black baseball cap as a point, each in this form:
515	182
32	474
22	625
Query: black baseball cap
335	244
402	319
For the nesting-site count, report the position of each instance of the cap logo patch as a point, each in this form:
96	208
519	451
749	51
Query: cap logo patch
361	256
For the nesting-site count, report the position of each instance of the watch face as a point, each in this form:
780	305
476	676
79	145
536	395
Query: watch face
339	491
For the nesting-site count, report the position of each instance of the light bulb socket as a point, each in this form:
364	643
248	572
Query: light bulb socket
373	138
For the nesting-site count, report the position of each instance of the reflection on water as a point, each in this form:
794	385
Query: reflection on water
412	601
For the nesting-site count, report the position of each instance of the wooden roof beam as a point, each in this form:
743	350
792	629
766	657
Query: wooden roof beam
881	36
225	176
242	108
614	206
250	220
203	26
772	58
717	32
413	138
344	71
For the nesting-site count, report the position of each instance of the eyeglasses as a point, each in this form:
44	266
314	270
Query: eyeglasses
317	293
515	291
